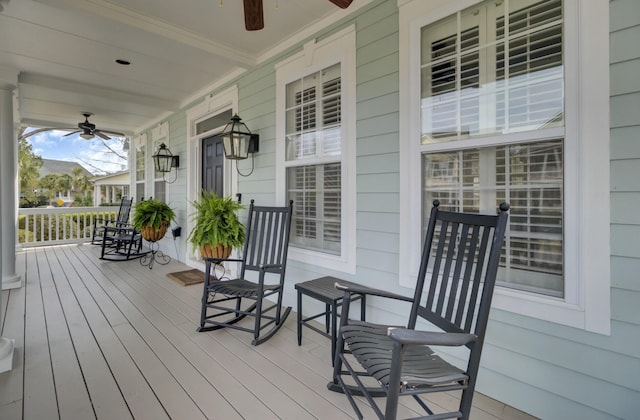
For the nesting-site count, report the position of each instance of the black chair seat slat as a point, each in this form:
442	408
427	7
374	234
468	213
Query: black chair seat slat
373	348
241	287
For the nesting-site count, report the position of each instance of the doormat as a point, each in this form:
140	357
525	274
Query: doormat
188	277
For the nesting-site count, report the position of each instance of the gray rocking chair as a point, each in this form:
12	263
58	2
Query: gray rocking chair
265	254
453	293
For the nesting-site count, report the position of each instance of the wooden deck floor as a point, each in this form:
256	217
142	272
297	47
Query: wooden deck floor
115	340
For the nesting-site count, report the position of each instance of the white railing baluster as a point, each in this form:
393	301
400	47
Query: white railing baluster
49	226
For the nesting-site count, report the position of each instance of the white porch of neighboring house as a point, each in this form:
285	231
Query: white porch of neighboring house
109	189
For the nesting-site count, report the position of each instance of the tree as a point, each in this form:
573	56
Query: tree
29	165
63	184
81	187
49	184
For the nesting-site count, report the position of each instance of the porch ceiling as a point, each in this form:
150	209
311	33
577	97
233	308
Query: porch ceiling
65	52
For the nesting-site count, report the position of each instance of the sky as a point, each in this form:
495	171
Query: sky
92	154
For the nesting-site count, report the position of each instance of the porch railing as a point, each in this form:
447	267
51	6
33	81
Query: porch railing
60	225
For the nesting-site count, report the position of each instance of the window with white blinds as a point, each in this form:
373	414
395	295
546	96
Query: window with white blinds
489	72
313	152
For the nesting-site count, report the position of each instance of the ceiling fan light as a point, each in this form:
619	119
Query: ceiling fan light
86	136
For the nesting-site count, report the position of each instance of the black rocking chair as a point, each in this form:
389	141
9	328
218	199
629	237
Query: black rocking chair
100	234
265	253
453	293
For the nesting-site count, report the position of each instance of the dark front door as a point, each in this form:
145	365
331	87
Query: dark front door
213	165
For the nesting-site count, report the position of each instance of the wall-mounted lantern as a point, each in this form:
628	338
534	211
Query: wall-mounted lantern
164	160
238	141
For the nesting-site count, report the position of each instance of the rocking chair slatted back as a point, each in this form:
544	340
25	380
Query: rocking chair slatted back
449	260
268	241
124	211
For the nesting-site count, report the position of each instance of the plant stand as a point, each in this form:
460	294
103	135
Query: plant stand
154	255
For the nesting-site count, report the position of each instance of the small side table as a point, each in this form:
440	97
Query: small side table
323	289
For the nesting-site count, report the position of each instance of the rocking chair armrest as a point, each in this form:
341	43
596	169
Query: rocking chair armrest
364	290
429	338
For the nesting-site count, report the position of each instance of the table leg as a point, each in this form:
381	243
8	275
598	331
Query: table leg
299	318
207	276
334	328
327	320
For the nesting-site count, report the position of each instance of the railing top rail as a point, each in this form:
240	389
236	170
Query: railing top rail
64	210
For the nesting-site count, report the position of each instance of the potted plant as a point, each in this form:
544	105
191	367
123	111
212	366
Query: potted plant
217	228
152	217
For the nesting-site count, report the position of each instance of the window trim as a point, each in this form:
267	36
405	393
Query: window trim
139	141
315	56
587	257
159	134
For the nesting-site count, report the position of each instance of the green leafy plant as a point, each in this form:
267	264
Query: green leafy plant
216	222
152	213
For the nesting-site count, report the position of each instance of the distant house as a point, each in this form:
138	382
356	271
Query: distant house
110	188
62	167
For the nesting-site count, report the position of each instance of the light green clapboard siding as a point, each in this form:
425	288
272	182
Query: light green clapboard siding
624	143
624	14
546	369
628	71
379	144
620	273
624	109
624	43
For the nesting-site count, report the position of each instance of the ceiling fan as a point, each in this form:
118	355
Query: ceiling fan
254	18
86	129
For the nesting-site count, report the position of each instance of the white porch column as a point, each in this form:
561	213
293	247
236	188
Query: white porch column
8	180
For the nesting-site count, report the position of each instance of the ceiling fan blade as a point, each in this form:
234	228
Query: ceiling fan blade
101	135
72	133
253	16
112	133
343	4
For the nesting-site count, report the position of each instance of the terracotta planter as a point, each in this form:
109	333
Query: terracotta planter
152	234
216	251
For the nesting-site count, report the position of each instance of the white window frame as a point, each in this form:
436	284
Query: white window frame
159	134
586	304
337	48
139	140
